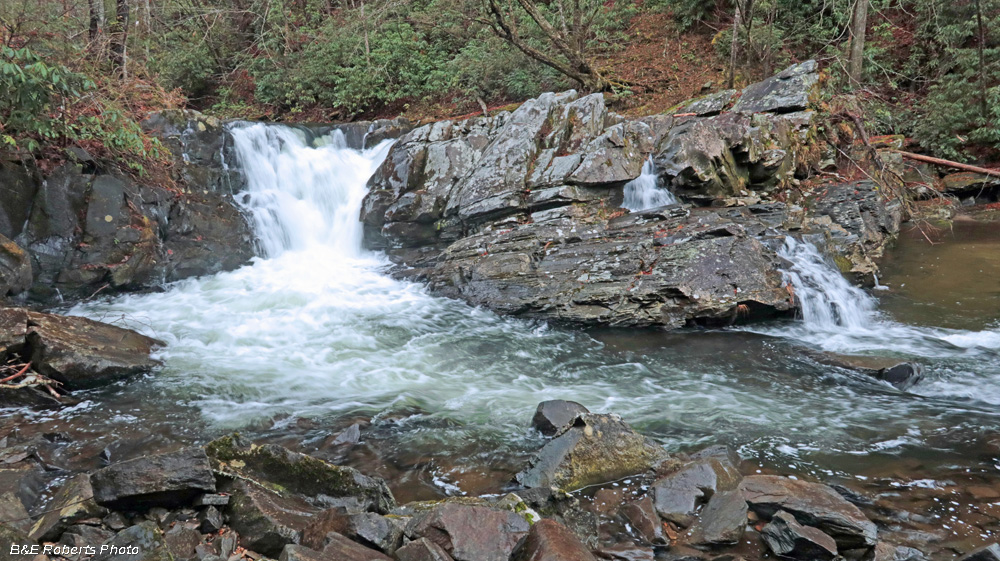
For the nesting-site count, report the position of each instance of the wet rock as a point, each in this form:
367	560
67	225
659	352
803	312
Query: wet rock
422	550
723	520
625	552
988	553
562	507
210	520
789	90
351	435
74	501
171	479
182	541
265	521
14	541
812	504
284	470
551	417
470	533
642	516
679	494
787	538
596	449
887	552
339	548
370	529
81	352
17	189
550	541
902	375
12	511
15	268
146	538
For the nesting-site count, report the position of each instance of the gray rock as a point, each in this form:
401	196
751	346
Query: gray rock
787	538
265	521
812	504
552	417
14	542
370	529
74	501
81	352
679	495
642	516
142	542
284	470
596	449
887	552
15	268
340	548
789	90
182	541
422	550
171	479
988	553
723	520
470	533
210	520
17	189
711	104
212	499
549	540
627	552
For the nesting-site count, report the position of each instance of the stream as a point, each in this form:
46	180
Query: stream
312	336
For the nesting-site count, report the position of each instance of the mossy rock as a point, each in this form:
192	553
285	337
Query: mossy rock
284	471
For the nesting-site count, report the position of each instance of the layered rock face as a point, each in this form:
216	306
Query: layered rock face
520	212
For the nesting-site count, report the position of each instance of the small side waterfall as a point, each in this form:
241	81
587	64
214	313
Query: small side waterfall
827	299
644	192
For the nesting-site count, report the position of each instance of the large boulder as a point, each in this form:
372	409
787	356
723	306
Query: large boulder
171	479
812	504
265	521
549	540
792	89
470	532
596	449
286	471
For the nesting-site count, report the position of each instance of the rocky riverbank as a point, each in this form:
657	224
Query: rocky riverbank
595	490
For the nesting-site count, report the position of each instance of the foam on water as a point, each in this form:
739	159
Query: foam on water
313	328
644	191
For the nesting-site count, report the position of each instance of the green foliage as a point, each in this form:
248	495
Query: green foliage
49	105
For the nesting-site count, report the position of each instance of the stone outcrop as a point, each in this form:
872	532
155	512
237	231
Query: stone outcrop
520	212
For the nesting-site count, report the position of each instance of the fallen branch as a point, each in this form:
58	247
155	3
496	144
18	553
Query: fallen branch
948	163
18	375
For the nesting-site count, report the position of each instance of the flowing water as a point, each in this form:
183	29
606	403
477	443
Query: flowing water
644	192
312	336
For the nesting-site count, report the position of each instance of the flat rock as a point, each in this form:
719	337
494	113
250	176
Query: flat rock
171	479
552	417
266	522
368	528
284	470
642	516
988	553
83	353
812	504
723	520
787	538
470	533
549	540
74	501
422	550
678	495
596	449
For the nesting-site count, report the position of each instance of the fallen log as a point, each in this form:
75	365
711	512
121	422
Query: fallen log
947	163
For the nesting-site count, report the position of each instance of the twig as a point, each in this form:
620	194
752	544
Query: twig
18	375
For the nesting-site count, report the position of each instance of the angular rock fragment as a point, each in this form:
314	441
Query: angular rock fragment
723	519
470	533
265	521
422	550
551	417
787	538
171	479
549	540
679	494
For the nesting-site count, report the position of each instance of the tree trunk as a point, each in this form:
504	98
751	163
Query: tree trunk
119	36
737	17
859	24
96	18
983	107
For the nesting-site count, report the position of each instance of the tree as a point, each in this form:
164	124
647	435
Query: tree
568	36
859	25
119	37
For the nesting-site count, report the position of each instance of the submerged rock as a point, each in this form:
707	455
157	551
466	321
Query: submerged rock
171	479
812	504
596	449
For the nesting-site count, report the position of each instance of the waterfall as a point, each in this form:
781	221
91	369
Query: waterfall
299	196
643	192
826	298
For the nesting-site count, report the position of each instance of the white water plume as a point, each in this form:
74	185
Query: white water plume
644	191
